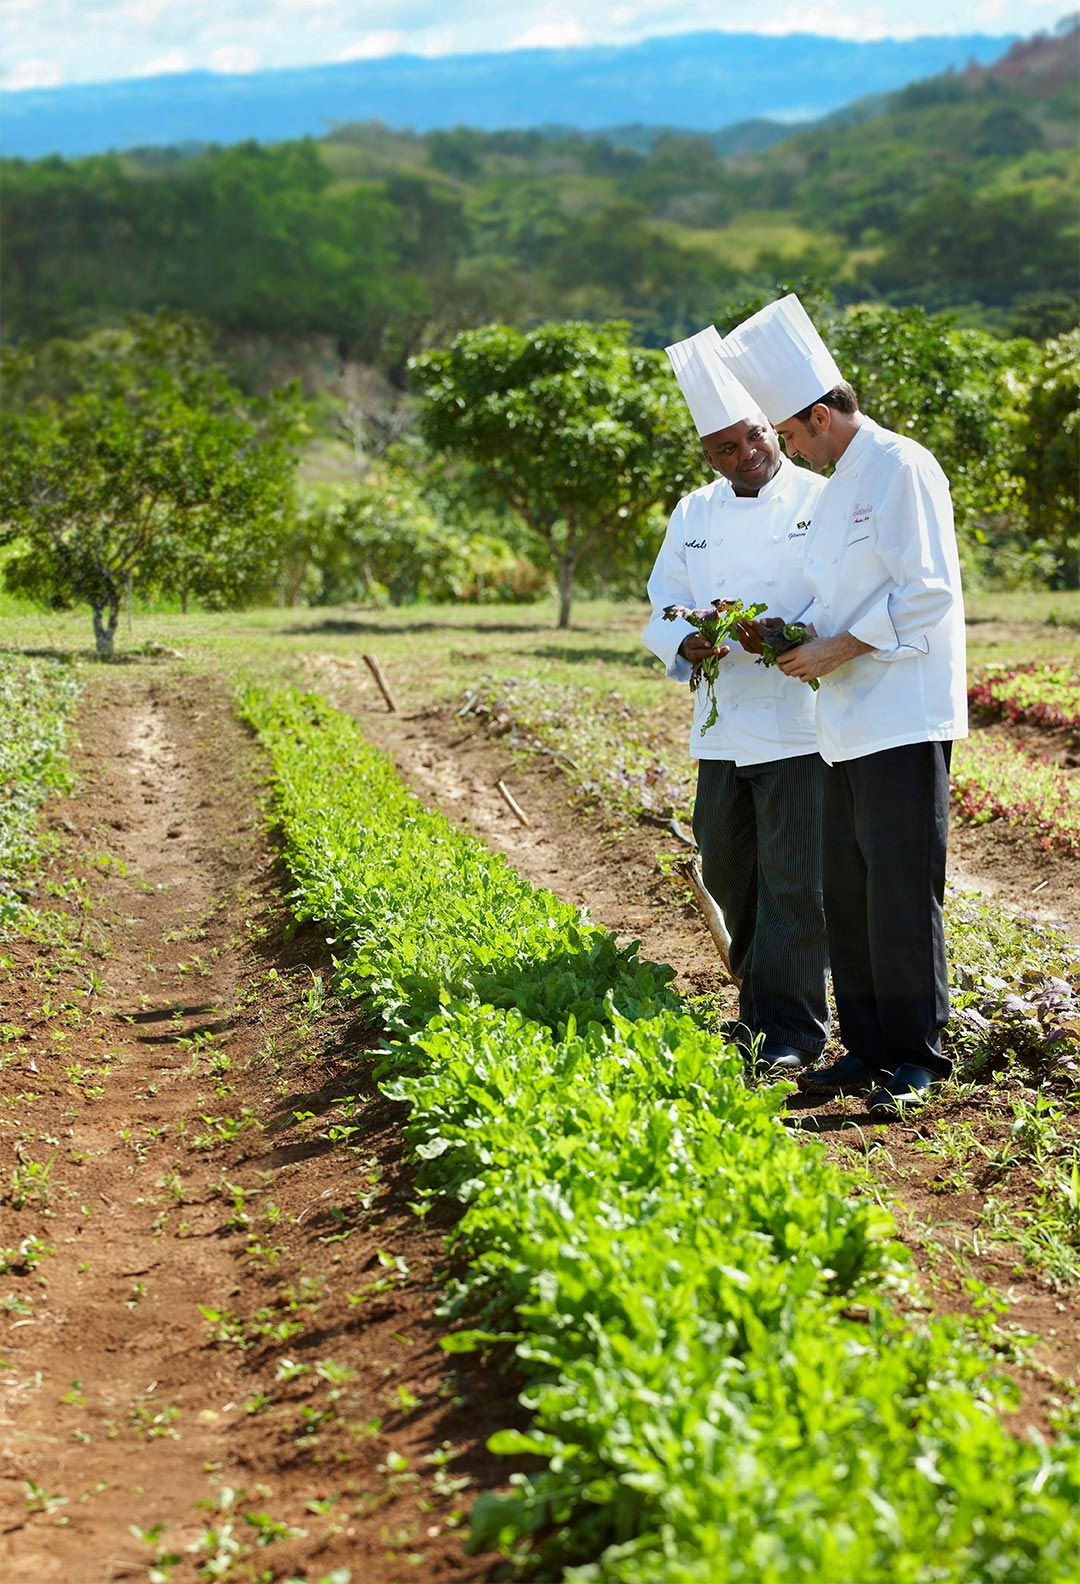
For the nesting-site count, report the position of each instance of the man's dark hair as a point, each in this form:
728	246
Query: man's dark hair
842	397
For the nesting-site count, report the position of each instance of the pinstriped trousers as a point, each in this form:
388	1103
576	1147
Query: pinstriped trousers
759	831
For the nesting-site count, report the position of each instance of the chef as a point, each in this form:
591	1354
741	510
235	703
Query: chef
888	649
758	807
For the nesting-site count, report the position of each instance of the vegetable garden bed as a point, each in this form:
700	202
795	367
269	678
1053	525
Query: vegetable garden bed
1034	694
701	1312
994	778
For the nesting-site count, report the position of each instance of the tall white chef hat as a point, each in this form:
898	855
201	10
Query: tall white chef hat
714	396
780	358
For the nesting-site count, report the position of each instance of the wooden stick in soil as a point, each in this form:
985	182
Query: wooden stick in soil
377	672
512	804
691	868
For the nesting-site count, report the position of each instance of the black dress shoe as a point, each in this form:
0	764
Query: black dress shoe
849	1075
775	1058
907	1090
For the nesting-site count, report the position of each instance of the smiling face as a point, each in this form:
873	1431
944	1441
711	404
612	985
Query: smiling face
746	453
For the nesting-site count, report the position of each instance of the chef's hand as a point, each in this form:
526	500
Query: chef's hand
818	656
753	635
694	648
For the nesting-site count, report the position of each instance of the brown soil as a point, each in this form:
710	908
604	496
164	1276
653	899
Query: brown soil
568	847
939	1208
153	1057
1003	864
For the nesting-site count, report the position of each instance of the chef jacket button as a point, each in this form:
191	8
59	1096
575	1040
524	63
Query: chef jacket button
770	580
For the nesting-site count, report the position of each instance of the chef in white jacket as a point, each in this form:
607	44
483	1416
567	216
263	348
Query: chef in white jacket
757	814
888	617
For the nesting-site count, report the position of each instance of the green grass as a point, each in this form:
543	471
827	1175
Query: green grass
433	651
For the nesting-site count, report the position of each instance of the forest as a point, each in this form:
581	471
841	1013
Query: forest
955	193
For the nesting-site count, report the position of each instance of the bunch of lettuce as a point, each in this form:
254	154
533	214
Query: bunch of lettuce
716	623
782	636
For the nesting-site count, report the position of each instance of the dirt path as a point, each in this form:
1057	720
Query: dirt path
156	1047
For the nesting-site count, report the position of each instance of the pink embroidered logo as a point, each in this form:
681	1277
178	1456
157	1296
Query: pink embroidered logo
861	513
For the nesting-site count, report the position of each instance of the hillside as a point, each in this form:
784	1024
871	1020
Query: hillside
700	80
956	192
958	188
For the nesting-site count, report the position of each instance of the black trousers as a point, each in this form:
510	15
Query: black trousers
759	831
885	833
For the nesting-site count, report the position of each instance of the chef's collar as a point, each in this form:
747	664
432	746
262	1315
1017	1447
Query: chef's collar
857	446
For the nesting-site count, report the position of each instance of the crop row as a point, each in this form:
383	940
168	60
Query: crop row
1034	694
36	698
699	1307
994	778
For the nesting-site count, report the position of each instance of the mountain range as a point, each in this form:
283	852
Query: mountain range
705	81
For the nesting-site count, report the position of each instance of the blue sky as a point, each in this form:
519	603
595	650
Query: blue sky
47	42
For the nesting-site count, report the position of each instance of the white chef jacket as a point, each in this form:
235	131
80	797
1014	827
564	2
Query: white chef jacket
720	545
882	564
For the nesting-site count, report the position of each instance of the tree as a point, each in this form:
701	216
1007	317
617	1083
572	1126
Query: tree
582	435
249	238
956	245
383	541
133	465
1047	452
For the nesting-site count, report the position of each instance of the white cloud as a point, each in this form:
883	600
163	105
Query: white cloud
435	45
834	21
373	45
87	40
34	74
551	35
233	58
146	12
173	61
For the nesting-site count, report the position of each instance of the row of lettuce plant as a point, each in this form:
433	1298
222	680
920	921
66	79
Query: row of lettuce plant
994	778
1035	694
36	700
721	1385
